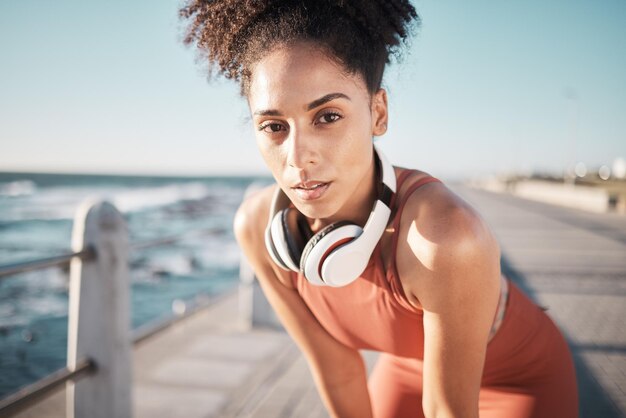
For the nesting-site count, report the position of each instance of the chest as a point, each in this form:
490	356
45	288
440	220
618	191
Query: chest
366	314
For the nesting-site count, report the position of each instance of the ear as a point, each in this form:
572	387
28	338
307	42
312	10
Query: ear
379	112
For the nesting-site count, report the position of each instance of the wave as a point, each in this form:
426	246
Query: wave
35	294
139	199
61	202
219	253
18	188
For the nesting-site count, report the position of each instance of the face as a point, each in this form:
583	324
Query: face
314	124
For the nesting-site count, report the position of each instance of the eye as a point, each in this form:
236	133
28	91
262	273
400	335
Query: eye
328	117
271	127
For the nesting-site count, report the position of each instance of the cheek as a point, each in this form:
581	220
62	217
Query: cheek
271	154
357	158
358	146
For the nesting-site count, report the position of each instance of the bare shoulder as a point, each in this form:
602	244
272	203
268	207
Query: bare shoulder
444	246
438	214
249	227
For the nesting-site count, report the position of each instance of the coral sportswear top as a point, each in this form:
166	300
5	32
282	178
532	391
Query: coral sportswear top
373	313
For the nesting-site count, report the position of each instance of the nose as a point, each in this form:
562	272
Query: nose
301	150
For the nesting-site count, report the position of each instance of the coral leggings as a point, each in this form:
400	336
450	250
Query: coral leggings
538	381
396	391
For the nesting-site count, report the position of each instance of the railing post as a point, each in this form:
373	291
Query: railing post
99	315
254	309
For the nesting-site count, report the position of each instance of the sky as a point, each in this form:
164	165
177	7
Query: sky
486	87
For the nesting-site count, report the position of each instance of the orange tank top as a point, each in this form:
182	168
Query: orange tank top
372	312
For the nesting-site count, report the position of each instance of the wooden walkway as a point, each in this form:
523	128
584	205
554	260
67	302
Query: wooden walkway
211	365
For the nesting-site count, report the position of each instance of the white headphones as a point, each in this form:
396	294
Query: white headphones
337	254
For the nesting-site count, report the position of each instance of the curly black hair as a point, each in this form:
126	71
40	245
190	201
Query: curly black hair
360	34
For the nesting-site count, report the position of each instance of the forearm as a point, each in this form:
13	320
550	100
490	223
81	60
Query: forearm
343	388
444	410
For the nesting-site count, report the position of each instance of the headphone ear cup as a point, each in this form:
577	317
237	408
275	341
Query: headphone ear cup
270	244
279	242
321	247
294	242
304	230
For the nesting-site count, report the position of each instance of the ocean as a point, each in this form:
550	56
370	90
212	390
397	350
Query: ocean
36	212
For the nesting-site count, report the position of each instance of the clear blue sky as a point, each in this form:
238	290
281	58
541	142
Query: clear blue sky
487	87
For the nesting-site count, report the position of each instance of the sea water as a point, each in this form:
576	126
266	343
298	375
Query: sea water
36	212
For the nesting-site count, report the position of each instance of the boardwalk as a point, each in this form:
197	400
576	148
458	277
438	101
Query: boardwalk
574	263
210	365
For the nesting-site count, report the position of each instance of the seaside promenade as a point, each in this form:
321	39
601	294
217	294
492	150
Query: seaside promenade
572	262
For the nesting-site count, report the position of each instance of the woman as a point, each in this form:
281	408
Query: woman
348	264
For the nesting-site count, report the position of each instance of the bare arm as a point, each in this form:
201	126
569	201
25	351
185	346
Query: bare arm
338	370
449	262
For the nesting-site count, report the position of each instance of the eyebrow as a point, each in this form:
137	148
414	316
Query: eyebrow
315	103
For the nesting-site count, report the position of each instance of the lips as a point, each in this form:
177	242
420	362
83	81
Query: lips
310	190
309	185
